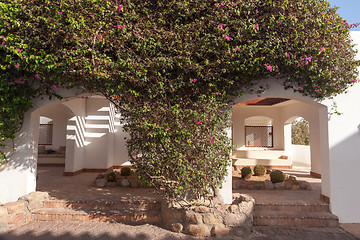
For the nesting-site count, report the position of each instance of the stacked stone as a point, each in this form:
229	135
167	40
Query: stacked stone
14	214
220	220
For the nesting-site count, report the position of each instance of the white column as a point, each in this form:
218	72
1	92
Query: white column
226	190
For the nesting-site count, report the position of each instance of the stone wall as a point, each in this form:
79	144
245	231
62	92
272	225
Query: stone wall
13	214
220	220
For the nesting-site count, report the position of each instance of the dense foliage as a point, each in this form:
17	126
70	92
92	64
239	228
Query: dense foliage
300	132
171	68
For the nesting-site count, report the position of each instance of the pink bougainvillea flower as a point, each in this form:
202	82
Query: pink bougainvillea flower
216	4
308	59
37	75
220	26
199	123
120	7
194	80
257	10
60	13
322	49
236	48
7	24
16	65
3	43
256	26
269	68
232	81
3	37
222	4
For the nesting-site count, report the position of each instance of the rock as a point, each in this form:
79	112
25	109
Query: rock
268	171
246	207
210	218
246	197
304	185
100	182
279	185
111	184
201	209
295	187
134	184
289	184
35	200
177	227
124	182
220	231
198	230
233	208
192	217
268	185
232	219
222	208
292	178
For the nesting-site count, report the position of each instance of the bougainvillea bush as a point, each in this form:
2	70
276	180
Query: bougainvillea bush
171	68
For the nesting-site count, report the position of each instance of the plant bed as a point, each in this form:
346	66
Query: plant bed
107	180
263	182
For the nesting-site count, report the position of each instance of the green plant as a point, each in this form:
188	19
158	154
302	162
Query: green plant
259	170
125	171
171	68
246	172
111	176
277	176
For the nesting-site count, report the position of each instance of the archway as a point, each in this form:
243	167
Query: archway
284	106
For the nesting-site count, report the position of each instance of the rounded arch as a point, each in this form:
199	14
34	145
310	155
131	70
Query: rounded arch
284	113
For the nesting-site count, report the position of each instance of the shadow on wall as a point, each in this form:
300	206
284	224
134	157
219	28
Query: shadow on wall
17	160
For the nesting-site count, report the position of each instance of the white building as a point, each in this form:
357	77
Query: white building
86	135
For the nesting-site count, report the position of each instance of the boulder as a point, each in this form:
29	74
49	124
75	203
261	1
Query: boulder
100	182
268	185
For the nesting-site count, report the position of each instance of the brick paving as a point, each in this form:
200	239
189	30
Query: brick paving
118	231
60	187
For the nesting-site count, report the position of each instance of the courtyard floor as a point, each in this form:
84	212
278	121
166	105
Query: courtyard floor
79	187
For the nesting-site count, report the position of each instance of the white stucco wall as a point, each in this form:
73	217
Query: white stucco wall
300	155
344	143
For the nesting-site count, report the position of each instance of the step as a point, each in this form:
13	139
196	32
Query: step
292	207
264	162
258	154
91	215
295	219
100	204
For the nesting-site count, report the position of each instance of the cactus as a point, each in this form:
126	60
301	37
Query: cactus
259	170
246	172
277	176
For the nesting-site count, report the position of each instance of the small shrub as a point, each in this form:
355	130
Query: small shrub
259	170
246	172
125	171
111	176
277	176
